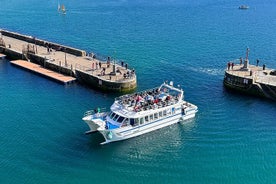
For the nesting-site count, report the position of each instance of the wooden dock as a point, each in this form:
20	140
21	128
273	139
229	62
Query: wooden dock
44	72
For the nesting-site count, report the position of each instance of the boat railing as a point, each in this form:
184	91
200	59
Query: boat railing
95	111
137	93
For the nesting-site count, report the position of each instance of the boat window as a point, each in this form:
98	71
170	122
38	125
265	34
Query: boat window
160	114
168	111
146	119
165	113
115	117
120	119
125	122
155	115
131	122
141	121
151	117
173	110
136	121
111	115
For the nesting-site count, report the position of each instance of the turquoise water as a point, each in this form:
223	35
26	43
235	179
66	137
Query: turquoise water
231	140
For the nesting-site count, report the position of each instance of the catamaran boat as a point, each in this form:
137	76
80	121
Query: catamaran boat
135	114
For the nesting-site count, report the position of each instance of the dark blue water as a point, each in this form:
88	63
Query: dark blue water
231	140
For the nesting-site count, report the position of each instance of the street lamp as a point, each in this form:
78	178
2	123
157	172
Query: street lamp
65	56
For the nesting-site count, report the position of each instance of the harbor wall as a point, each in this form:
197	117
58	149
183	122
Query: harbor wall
33	40
11	54
122	85
106	85
240	84
248	86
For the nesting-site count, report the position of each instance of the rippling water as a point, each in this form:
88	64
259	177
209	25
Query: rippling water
231	140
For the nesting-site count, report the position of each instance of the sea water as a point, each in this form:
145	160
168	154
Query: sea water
232	139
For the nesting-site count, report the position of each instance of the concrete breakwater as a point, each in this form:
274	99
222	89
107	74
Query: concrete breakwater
251	79
104	75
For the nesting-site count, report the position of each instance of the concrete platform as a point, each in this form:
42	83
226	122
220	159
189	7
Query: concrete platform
258	74
104	74
44	72
59	57
251	79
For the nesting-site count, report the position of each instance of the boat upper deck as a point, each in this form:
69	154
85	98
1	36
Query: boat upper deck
150	99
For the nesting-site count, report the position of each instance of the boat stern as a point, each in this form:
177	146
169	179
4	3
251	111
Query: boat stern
94	121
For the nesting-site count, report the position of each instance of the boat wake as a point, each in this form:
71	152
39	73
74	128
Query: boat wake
209	71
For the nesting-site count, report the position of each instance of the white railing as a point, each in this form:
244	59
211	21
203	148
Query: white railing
95	111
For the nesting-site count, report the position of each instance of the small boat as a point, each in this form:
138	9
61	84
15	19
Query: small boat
61	9
135	114
243	7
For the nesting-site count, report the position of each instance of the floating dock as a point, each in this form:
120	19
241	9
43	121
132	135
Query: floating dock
86	68
250	79
44	72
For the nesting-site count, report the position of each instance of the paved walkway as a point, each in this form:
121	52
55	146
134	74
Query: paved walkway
87	64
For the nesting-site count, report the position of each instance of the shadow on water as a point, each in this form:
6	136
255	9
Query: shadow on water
244	96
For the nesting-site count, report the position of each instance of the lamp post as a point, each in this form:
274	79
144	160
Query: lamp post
35	45
114	67
65	57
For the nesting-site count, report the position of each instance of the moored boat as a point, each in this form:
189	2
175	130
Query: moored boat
243	7
139	113
61	9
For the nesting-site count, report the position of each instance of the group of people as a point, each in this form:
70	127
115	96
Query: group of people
230	65
98	65
147	100
129	74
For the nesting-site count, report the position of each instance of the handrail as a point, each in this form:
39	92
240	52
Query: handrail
95	111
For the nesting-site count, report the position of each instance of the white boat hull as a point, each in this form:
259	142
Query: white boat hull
94	122
130	132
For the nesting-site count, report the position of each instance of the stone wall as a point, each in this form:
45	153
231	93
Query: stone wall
106	85
44	43
11	54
